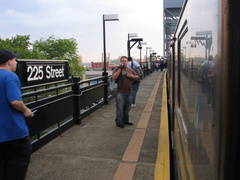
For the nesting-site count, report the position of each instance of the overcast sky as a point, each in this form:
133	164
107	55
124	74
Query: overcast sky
82	20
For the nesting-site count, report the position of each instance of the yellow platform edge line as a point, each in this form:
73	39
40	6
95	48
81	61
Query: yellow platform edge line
126	171
162	166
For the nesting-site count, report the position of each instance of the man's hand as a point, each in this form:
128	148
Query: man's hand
28	113
132	76
19	105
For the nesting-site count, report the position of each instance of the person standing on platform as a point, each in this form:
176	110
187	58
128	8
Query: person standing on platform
161	65
15	145
135	84
123	76
157	66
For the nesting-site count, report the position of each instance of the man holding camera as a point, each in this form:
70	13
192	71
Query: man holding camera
123	76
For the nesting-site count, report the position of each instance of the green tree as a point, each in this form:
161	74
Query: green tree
60	49
17	44
51	48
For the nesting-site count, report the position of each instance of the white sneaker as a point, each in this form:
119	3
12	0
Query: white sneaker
133	105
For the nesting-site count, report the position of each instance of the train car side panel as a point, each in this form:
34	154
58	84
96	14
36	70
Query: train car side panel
194	88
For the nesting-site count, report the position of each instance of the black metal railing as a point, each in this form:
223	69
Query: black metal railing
62	104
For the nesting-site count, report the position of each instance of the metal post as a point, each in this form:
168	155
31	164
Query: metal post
140	57
140	48
109	17
151	58
105	74
76	90
147	62
128	46
104	47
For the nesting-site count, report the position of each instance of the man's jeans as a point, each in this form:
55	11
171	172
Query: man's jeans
14	159
135	87
123	106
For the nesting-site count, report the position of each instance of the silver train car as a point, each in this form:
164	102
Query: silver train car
203	91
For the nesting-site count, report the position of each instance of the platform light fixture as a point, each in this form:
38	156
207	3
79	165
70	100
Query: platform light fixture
140	44
106	17
129	47
147	64
131	35
146	53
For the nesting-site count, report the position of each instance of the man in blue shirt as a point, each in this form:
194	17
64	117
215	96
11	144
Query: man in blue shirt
135	85
15	146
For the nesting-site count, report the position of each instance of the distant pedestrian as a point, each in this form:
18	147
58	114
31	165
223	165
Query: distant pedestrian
135	84
15	146
157	66
123	76
161	65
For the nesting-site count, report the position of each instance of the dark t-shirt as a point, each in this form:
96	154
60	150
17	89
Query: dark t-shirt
124	83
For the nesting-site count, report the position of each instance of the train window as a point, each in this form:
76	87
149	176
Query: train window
182	68
195	100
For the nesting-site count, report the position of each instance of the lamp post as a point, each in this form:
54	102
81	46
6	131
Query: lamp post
140	48
140	44
128	42
135	40
106	17
147	59
150	63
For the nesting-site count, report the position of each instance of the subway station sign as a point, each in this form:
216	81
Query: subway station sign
32	72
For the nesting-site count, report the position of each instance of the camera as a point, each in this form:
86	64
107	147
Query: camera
122	66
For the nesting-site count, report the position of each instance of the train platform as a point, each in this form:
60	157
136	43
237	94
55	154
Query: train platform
99	150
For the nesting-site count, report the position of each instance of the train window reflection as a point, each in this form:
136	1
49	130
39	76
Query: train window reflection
196	107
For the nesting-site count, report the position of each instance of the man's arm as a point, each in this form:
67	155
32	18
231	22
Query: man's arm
133	75
116	73
20	106
140	69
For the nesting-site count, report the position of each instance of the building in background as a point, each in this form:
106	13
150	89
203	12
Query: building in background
98	66
107	58
80	61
